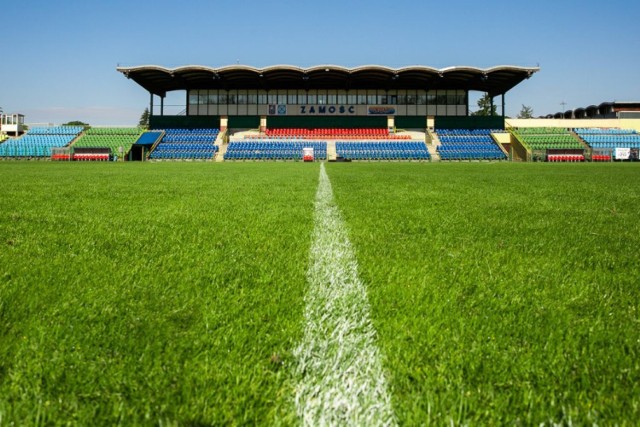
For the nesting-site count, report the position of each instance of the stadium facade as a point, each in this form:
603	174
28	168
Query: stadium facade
322	96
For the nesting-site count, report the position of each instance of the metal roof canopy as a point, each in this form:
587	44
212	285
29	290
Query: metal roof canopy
159	80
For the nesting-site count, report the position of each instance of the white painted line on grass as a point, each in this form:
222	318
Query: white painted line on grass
339	368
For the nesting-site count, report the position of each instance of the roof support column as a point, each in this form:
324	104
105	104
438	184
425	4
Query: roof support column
466	97
162	106
151	103
503	106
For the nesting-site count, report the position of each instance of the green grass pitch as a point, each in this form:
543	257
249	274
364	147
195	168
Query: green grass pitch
173	293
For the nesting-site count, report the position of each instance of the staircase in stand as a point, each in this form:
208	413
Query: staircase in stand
331	150
432	145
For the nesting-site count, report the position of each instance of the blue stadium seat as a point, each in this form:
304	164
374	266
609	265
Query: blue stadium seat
382	150
468	144
39	141
604	141
274	149
187	144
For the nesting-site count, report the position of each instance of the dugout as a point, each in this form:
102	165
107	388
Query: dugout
324	96
92	154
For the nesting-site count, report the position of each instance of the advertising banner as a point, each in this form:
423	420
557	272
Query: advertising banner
623	153
312	110
381	110
277	110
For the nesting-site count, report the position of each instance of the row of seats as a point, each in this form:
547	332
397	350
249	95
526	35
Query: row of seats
467	132
611	138
542	131
468	139
468	144
188	139
384	155
614	144
184	131
600	158
177	146
380	145
282	143
114	131
56	130
474	153
22	150
90	157
382	150
267	155
546	139
274	150
559	146
190	135
184	154
332	133
45	140
565	158
604	131
327	131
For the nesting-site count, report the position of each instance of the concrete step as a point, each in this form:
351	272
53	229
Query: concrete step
432	143
222	144
331	150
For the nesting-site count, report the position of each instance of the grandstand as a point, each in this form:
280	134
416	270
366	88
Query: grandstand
605	143
609	138
117	140
186	144
548	138
327	97
468	144
369	112
39	141
551	143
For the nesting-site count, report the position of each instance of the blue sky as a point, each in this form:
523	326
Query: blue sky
59	58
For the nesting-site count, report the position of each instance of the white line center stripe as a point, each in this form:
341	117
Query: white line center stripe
339	371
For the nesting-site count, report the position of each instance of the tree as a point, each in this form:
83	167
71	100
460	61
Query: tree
526	112
144	119
78	123
484	107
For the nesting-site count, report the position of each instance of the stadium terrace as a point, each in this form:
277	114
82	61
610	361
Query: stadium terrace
334	113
